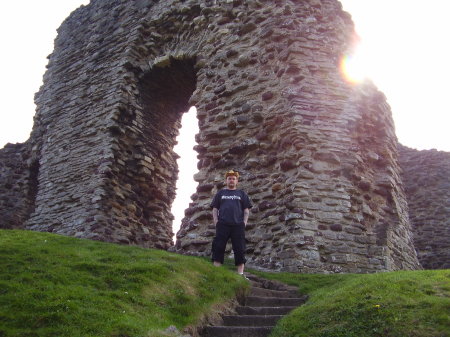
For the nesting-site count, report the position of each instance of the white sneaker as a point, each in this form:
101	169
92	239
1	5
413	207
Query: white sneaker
244	276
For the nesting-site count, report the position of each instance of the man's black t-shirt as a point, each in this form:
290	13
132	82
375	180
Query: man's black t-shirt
231	205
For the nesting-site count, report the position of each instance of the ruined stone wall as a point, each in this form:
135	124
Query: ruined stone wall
18	185
426	177
317	155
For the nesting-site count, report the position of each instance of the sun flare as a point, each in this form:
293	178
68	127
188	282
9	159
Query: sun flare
354	66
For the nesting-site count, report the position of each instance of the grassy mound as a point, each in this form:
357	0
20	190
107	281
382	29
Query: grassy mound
394	304
52	285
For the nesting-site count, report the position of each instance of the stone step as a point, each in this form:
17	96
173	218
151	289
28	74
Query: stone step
255	283
251	320
237	331
268	302
248	310
257	301
263	292
270	284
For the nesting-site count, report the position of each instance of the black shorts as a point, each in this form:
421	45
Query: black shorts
223	233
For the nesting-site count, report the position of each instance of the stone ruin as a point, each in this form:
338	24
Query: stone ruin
317	155
426	178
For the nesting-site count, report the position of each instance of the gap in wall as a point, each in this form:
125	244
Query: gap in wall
187	166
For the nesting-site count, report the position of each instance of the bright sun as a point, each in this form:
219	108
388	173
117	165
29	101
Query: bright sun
354	66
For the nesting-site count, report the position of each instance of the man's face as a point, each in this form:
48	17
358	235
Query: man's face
232	182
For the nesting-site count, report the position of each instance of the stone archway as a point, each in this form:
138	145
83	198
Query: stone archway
317	155
143	188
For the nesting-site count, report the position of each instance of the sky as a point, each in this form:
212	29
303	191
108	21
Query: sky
403	49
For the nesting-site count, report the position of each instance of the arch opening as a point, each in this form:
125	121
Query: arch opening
164	96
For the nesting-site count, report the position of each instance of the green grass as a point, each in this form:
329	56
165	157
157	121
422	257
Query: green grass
394	304
52	285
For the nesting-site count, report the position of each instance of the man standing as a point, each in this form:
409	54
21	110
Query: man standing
231	208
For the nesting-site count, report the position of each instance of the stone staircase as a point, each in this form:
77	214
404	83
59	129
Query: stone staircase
258	312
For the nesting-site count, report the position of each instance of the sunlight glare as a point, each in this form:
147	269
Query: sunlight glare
354	66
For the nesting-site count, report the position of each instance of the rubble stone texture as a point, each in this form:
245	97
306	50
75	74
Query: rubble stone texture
317	155
426	177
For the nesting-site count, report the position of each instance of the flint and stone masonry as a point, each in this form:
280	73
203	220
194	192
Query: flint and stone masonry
317	155
426	177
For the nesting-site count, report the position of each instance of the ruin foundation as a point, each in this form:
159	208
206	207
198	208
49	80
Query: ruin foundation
317	155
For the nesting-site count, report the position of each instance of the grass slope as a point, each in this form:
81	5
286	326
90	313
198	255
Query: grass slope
394	304
52	285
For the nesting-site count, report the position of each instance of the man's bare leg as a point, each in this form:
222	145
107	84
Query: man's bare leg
217	264
240	268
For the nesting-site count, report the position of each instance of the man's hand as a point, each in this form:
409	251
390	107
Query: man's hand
215	213
246	214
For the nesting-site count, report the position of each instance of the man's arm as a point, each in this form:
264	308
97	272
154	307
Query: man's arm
215	215
246	214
